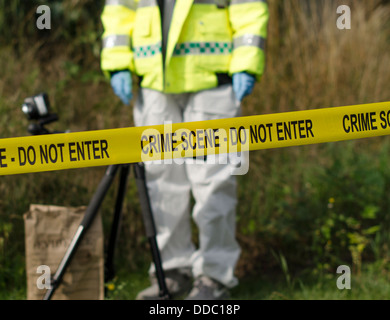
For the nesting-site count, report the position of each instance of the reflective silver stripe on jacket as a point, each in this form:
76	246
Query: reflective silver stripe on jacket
245	1
147	51
223	3
131	4
147	3
116	40
202	48
249	40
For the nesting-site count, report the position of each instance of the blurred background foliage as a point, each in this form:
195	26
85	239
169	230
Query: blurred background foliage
303	210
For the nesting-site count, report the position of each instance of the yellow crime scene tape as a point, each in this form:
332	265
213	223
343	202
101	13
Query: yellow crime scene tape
186	140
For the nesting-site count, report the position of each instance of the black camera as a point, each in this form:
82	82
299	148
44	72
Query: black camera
38	108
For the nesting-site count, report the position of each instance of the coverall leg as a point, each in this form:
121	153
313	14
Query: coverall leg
211	182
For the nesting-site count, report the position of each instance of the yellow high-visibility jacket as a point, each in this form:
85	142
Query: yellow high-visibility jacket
206	38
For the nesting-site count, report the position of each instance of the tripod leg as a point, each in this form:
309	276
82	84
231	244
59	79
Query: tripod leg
90	214
150	228
110	270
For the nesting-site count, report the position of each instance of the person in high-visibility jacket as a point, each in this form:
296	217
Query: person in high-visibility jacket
196	60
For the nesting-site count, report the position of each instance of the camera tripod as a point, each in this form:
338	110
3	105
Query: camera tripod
92	210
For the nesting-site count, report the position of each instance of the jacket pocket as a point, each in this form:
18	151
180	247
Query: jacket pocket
142	25
215	23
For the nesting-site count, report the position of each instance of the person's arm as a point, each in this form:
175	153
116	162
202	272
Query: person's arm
249	21
118	20
117	57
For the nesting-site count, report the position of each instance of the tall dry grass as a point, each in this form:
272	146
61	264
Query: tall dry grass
313	64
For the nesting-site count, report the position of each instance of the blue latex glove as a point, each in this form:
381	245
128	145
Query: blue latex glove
243	84
122	85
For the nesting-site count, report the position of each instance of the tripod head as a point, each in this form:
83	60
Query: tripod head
37	109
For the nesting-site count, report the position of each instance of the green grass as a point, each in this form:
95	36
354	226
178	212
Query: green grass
367	286
372	284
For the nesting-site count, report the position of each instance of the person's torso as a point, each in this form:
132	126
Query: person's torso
192	37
